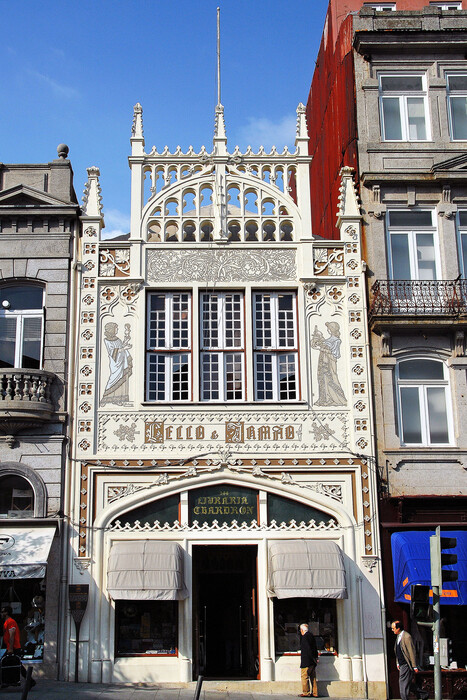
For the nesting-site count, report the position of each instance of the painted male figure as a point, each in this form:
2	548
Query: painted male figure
406	662
308	661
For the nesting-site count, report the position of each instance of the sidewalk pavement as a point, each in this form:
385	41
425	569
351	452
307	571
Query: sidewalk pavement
57	690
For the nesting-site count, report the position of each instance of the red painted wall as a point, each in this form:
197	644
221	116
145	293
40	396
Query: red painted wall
331	124
331	116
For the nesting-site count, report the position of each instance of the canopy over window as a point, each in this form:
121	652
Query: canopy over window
24	551
306	569
146	570
411	565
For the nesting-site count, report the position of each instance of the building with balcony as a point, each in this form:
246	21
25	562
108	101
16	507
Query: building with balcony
389	98
223	482
39	223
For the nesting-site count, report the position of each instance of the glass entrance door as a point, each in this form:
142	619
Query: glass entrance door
225	611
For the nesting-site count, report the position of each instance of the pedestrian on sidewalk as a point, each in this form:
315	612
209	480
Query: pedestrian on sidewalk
11	640
308	662
406	662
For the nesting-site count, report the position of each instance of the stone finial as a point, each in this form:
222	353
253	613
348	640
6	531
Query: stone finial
348	198
137	128
220	136
63	150
301	138
92	199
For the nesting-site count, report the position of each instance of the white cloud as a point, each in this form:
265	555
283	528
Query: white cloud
262	131
116	224
59	89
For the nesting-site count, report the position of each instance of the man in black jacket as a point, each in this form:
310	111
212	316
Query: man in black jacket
308	661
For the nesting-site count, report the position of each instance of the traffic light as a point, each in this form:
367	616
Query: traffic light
420	607
440	558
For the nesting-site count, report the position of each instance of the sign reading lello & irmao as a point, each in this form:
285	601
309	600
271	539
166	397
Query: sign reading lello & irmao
230	432
224	504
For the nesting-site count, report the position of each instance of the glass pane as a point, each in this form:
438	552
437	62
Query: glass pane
283	510
210	376
21	298
463	218
146	627
318	613
32	337
287	386
7	341
157	321
285	321
416	117
392	119
210	321
223	503
263	321
233	376
233	320
180	377
464	254
410	408
403	217
180	320
165	510
264	386
400	257
421	369
401	83
16	495
156	378
459	117
437	417
426	256
457	82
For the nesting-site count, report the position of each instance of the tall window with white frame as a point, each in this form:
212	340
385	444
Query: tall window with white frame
222	346
456	84
404	107
275	346
21	326
462	237
424	402
168	346
413	245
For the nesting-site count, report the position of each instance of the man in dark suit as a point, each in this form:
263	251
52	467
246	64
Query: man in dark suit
406	662
308	661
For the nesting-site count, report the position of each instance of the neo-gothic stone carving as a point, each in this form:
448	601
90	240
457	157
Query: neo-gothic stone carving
328	261
120	365
330	390
220	265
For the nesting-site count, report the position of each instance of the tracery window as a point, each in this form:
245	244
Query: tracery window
168	367
222	346
275	346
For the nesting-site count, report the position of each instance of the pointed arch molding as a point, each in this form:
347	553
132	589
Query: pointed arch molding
326	495
39	488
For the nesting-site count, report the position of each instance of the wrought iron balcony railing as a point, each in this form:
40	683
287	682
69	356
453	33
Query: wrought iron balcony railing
25	399
421	298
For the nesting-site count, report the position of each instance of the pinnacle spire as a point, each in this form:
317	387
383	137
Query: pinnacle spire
137	134
301	138
92	199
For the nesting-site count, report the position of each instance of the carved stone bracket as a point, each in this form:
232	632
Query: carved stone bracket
82	564
369	562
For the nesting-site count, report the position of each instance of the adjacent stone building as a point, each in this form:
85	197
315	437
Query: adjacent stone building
389	97
39	224
223	487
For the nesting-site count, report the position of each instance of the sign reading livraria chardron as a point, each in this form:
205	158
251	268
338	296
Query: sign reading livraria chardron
224	504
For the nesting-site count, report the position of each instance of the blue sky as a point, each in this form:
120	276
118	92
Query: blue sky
72	71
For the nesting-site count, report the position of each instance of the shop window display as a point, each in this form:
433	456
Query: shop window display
319	614
27	601
146	627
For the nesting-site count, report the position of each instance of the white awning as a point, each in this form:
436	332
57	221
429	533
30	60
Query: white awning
146	570
306	569
24	551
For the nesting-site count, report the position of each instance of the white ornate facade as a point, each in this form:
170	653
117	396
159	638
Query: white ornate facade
222	403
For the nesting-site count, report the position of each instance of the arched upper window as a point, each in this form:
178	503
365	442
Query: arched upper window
21	326
424	402
16	497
